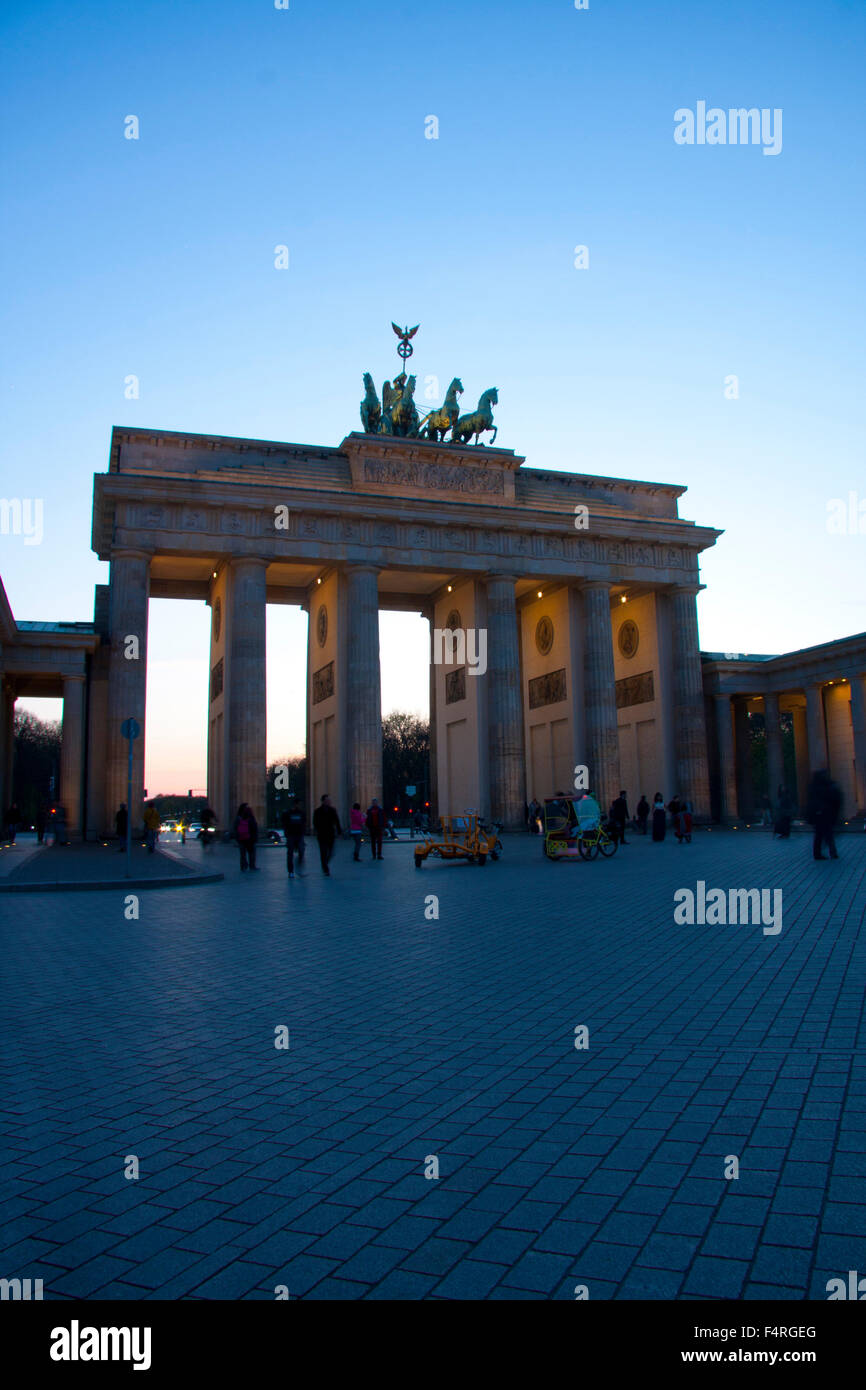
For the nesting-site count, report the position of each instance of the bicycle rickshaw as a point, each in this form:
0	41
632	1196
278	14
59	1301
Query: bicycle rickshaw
463	837
573	829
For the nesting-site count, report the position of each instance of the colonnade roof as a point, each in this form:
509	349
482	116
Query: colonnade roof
732	673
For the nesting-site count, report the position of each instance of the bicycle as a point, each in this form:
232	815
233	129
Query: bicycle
596	841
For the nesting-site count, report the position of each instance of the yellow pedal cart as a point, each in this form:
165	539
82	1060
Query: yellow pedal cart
463	837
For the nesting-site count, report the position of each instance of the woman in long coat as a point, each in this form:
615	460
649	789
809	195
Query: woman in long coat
659	817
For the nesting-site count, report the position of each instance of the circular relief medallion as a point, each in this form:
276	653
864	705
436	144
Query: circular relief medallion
544	635
453	620
628	638
322	626
217	619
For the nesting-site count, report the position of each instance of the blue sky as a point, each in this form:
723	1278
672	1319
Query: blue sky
306	127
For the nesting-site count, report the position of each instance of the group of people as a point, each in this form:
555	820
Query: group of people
51	821
326	828
822	813
679	808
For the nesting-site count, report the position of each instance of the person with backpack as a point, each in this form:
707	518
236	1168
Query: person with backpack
246	832
356	828
376	827
151	826
294	824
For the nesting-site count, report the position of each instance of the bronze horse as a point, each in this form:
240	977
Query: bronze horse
479	422
436	425
371	410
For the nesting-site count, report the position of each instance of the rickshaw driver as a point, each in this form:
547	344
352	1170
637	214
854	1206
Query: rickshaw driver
588	814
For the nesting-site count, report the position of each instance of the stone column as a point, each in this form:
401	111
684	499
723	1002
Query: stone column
71	754
129	586
433	775
690	739
363	688
816	727
7	745
775	755
801	756
599	695
858	725
246	681
727	759
504	706
743	759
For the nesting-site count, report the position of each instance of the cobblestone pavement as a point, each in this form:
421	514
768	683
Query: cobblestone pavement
413	1039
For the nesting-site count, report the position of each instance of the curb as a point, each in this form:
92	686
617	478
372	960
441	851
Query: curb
98	885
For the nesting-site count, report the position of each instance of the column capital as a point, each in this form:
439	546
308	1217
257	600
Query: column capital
361	569
693	587
77	678
590	586
131	552
254	561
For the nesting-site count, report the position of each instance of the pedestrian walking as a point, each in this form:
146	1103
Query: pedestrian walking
58	814
326	827
246	832
643	810
356	828
686	820
618	819
822	812
660	819
782	822
12	819
41	822
675	808
207	832
151	826
376	827
294	824
121	821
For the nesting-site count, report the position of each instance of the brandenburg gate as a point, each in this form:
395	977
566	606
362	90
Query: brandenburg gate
582	588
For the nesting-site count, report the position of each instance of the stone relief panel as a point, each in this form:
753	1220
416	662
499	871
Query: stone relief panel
216	680
323	683
635	690
455	686
548	689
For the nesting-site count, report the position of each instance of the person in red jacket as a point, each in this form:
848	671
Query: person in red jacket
356	827
376	827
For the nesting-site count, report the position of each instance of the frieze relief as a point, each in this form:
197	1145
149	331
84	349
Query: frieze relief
406	535
434	477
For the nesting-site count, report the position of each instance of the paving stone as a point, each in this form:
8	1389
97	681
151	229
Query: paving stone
307	1168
